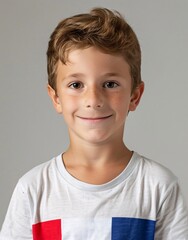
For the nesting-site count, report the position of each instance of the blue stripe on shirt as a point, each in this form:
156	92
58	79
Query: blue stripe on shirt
132	229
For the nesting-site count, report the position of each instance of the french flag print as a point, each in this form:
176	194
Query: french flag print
49	230
132	229
117	228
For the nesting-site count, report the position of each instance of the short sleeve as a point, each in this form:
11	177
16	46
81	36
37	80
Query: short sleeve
17	223
172	219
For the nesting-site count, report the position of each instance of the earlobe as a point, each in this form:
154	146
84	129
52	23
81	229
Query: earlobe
136	97
55	99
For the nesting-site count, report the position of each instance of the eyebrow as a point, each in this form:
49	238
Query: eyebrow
110	74
74	75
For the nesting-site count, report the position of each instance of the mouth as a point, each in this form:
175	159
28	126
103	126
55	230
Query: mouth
95	119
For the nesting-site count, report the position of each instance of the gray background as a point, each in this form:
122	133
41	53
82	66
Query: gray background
31	131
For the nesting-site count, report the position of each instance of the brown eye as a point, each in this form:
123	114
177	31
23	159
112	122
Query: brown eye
76	85
111	84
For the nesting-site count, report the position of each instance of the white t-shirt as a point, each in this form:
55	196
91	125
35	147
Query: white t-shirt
143	203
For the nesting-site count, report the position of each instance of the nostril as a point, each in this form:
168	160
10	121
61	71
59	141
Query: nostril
97	106
94	106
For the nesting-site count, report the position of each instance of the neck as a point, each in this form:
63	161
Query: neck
83	153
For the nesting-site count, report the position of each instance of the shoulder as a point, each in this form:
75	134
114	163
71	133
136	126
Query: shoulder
155	172
39	175
157	184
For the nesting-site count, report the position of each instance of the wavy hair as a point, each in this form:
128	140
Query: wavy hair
102	28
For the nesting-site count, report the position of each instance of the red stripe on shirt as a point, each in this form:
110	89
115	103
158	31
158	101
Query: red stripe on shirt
49	230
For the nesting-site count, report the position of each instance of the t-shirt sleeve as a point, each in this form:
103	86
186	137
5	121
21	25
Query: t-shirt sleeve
17	223
172	219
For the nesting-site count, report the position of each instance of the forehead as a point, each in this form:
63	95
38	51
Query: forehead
92	60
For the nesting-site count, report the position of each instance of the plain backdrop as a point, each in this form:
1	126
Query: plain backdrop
30	130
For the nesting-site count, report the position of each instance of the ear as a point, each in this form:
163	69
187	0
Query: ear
136	96
55	99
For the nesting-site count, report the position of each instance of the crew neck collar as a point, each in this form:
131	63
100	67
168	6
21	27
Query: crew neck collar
92	187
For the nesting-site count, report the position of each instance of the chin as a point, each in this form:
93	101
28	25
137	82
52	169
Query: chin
98	138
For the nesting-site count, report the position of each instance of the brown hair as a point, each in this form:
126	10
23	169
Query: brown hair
101	28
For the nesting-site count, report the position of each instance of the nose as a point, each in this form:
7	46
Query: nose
94	98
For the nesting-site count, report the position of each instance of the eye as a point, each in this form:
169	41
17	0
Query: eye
76	85
110	84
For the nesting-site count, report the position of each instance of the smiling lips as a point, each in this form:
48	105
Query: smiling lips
96	119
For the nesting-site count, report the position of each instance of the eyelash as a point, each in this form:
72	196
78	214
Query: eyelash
81	85
75	83
111	82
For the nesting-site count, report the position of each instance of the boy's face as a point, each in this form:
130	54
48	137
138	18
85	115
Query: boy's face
94	95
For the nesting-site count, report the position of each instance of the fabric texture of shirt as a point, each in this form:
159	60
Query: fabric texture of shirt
144	202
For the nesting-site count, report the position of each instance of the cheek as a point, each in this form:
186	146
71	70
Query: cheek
121	108
69	106
120	102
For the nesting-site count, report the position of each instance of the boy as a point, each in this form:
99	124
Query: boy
98	188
